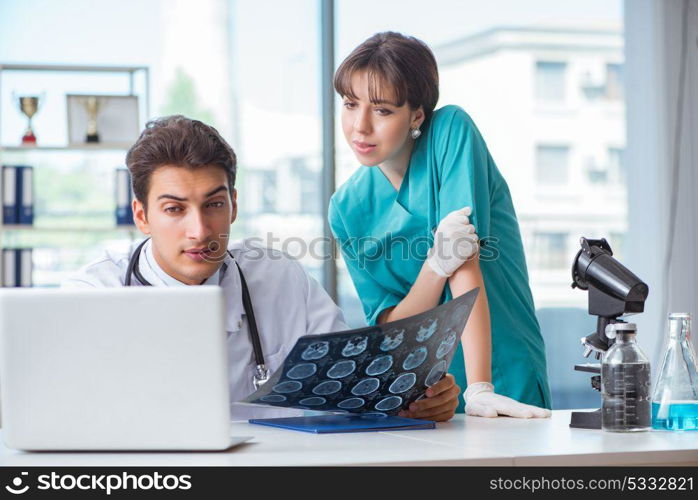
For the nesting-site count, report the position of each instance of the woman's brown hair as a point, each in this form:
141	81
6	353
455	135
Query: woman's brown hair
404	63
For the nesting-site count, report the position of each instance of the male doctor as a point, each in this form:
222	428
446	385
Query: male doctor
183	175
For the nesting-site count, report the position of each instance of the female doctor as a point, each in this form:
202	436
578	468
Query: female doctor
423	174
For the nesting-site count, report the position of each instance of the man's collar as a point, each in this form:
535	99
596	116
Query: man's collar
231	284
165	279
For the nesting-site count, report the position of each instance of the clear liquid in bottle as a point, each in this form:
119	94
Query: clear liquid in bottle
625	383
626	397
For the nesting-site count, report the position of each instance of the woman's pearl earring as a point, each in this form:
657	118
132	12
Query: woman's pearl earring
416	133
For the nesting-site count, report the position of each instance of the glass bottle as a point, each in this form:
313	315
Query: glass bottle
675	397
625	382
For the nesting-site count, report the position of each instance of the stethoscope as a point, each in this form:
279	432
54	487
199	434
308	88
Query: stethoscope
261	373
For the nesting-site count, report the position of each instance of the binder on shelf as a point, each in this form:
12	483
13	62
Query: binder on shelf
25	268
9	195
17	194
17	267
25	194
124	197
9	274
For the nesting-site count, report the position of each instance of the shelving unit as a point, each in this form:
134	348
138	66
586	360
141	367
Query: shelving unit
9	152
67	229
95	147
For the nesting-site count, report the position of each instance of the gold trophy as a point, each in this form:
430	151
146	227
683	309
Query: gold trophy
29	105
92	105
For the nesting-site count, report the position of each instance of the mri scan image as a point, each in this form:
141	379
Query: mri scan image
301	371
392	340
437	371
351	403
342	368
402	383
312	401
288	386
327	387
376	370
415	358
389	403
446	345
273	398
316	350
354	347
379	365
365	386
427	329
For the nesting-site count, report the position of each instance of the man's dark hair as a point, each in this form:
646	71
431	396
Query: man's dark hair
179	141
402	62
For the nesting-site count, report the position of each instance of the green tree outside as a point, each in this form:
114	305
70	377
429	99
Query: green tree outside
181	99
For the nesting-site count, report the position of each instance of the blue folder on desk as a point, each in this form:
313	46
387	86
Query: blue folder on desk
324	424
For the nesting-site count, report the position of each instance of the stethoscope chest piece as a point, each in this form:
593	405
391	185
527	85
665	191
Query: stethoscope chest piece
261	376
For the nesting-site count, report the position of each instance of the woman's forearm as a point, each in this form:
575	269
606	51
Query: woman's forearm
424	295
477	338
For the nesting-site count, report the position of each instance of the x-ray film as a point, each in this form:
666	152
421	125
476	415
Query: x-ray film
379	369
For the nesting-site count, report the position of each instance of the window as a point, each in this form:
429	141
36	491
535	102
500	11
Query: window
593	87
616	165
610	170
550	251
617	242
550	81
308	187
257	192
268	191
552	164
276	92
597	173
614	81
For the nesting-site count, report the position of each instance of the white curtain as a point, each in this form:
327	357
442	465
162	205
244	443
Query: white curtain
661	159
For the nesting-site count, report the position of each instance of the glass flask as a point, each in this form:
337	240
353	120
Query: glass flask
625	382
675	397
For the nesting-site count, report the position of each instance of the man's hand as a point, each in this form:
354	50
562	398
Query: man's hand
439	405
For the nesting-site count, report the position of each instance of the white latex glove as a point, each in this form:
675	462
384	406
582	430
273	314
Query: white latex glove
455	241
481	401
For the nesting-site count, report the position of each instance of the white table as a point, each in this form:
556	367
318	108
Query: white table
462	441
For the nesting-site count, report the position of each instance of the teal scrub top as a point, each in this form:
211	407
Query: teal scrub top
384	236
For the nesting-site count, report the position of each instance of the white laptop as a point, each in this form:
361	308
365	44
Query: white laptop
138	368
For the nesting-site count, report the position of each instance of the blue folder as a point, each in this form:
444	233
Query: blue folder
24	197
324	424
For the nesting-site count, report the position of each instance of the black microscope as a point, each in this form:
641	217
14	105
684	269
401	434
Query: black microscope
614	291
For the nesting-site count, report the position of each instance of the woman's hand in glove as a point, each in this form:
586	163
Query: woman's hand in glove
482	401
455	241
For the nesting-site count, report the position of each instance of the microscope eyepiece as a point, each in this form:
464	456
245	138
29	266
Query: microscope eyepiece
595	267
